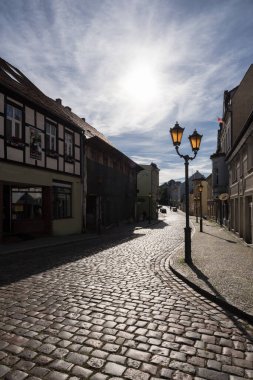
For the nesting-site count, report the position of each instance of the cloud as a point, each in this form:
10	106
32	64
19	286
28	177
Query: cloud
134	72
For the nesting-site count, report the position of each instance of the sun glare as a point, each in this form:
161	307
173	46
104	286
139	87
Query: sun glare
140	84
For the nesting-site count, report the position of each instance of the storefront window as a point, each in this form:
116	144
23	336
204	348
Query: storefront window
26	203
62	200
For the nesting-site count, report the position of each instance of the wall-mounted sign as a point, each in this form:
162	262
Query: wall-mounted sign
35	144
223	197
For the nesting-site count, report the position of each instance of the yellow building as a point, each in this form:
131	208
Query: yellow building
147	192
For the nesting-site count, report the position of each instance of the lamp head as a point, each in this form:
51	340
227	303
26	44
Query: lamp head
195	140
176	134
200	187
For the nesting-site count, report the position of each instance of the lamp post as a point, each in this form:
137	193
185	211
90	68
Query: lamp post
149	207
200	208
195	140
196	208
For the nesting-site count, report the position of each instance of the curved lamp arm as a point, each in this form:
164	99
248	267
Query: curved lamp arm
186	157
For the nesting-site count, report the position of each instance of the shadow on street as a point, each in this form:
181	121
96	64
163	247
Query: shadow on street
20	265
203	277
218	237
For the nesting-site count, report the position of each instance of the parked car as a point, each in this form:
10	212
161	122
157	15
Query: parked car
163	210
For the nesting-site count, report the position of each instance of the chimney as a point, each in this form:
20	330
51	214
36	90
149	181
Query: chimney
58	101
83	118
68	108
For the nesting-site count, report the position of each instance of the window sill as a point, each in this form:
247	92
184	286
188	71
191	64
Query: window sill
52	154
15	143
69	159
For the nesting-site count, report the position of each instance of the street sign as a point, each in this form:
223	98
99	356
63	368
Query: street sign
223	197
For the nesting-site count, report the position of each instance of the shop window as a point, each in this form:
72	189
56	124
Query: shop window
51	139
26	203
62	200
13	124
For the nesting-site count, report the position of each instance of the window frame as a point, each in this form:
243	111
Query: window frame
67	144
53	152
14	139
27	208
58	189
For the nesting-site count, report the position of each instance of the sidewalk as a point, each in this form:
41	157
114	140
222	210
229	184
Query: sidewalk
222	266
52	241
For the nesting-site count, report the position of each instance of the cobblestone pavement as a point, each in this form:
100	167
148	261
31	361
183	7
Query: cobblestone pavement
118	313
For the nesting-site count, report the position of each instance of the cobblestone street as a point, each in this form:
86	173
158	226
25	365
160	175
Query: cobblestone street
117	312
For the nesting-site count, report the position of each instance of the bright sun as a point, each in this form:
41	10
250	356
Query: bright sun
140	84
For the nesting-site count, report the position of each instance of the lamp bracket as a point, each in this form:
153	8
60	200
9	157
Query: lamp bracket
186	157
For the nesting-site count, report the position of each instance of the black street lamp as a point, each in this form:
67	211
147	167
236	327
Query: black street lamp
200	208
196	199
195	140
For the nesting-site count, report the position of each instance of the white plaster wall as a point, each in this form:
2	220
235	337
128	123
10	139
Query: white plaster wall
29	116
77	139
69	168
1	102
51	163
77	153
60	131
61	147
14	154
1	125
61	164
77	168
2	148
40	121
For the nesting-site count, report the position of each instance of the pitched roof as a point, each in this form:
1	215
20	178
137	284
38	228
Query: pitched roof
15	81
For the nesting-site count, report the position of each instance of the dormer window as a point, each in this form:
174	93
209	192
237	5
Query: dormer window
13	122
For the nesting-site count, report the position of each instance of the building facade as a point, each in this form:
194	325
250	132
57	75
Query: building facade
238	132
58	174
147	192
219	201
111	185
40	161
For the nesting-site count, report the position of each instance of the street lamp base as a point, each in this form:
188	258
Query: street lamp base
187	240
201	225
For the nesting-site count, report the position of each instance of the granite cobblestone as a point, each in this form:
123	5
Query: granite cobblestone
118	313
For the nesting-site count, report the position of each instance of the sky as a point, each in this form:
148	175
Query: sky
133	68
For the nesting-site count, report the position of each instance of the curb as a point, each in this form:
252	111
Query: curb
224	304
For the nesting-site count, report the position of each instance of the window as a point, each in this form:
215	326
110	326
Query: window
62	200
26	203
13	122
68	145
50	137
